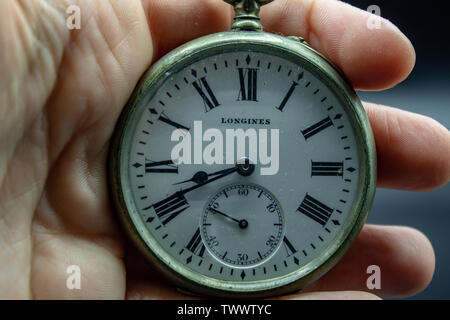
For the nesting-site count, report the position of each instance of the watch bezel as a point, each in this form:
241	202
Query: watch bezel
188	54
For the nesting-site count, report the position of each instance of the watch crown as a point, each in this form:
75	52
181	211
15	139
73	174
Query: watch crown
247	14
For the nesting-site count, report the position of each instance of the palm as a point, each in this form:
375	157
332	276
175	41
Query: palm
54	205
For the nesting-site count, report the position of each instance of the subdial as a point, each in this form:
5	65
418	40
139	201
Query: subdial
242	225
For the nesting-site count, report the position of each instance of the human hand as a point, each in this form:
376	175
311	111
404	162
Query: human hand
62	91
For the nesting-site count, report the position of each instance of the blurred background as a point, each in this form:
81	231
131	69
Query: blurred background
426	91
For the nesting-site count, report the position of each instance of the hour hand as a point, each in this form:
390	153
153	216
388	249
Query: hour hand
202	176
245	169
199	177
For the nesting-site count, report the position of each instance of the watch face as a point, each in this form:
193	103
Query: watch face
189	142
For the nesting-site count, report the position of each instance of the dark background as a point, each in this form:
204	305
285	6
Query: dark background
426	91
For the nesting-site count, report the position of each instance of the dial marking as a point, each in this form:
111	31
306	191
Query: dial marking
164	118
150	219
317	127
195	245
137	165
329	169
290	250
166	166
209	99
249	77
287	96
315	210
336	222
169	208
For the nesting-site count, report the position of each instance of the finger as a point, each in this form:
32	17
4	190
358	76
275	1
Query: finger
144	282
404	255
333	295
372	59
413	151
405	258
173	22
154	290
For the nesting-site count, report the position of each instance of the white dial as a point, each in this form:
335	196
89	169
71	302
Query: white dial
313	187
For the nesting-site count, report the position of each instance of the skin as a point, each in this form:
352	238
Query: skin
61	93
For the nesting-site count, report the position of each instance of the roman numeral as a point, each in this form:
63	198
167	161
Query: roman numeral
288	96
315	210
166	166
330	169
209	99
316	128
196	245
164	118
290	250
248	93
169	208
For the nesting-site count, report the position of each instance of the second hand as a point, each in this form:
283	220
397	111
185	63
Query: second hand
242	223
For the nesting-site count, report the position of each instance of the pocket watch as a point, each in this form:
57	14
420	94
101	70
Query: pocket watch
243	164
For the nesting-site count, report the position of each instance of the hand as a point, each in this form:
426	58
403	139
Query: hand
182	192
62	91
243	224
202	176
